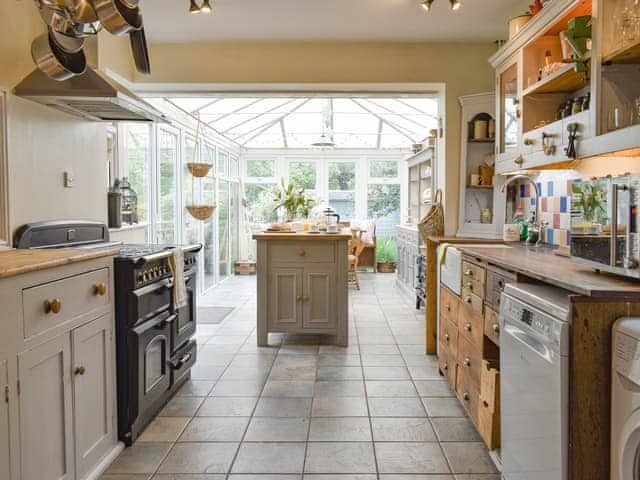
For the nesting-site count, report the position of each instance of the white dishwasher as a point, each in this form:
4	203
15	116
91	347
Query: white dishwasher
534	361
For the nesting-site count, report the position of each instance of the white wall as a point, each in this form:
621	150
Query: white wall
41	145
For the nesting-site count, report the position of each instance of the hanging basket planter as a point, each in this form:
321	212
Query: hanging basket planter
199	170
201	212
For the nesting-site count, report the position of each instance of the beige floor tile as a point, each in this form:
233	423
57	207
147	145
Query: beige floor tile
340	457
270	458
339	407
422	458
215	429
199	458
402	430
265	429
164	429
140	458
396	407
340	429
283	407
227	407
468	457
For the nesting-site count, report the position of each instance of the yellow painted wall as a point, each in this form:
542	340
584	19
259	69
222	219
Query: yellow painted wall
462	67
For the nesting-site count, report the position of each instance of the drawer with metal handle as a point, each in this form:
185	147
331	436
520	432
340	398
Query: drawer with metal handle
448	305
492	325
448	367
470	361
449	337
301	252
471	271
468	393
182	360
50	304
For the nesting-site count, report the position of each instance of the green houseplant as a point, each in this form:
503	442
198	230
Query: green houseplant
293	200
387	254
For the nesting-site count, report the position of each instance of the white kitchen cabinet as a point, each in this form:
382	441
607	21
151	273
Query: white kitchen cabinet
46	413
93	381
5	451
285	292
318	307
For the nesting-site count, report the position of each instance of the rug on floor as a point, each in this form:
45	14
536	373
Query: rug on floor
213	314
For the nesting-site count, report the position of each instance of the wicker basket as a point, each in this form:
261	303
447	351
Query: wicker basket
199	170
201	212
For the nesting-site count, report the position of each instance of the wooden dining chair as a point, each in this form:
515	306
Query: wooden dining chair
355	249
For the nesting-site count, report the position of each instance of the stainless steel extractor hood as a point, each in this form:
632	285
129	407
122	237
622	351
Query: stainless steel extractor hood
92	95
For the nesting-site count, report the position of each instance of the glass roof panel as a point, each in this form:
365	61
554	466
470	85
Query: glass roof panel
256	122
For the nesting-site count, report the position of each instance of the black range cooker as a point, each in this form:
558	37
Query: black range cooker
155	348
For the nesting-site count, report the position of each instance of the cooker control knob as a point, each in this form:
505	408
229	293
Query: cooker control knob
630	262
145	276
139	277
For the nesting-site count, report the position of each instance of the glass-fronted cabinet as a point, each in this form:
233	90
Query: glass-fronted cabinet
420	184
509	109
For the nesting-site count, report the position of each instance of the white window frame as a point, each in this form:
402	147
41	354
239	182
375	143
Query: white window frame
156	181
5	240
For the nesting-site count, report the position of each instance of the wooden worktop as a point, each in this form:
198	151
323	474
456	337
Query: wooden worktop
301	236
19	261
541	264
439	239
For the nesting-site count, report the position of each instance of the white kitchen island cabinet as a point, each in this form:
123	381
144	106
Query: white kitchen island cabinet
302	284
57	354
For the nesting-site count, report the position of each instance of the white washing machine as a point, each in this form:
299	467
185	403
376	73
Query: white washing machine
625	400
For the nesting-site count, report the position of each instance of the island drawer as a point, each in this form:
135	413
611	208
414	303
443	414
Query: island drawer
471	271
470	325
472	286
48	305
301	252
470	362
449	337
447	365
492	325
468	393
448	305
471	304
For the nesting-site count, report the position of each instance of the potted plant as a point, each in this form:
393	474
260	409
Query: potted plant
387	254
293	200
590	199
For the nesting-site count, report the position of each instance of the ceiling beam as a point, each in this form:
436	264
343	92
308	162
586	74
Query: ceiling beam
379	142
272	123
395	113
391	125
284	133
291	100
206	105
225	115
400	100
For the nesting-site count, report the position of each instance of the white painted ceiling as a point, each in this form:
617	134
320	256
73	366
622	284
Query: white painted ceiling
330	21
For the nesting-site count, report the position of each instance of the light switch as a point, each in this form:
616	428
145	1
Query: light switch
69	180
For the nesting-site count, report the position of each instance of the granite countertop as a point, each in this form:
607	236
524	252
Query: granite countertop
542	264
302	236
19	261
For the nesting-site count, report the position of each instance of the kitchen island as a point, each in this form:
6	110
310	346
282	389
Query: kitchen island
302	284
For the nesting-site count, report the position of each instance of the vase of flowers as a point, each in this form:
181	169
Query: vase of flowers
294	201
590	199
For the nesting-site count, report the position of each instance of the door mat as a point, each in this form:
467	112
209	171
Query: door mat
213	315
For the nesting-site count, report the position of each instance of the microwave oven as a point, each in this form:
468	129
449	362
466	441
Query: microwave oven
604	224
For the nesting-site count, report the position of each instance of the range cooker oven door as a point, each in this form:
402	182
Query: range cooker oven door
185	325
152	342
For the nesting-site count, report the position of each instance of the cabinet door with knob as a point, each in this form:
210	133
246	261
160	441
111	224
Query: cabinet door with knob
5	470
319	297
46	417
92	372
285	298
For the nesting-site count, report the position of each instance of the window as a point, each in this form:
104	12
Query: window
138	161
233	167
223	160
260	204
303	174
383	169
383	205
261	168
342	186
166	224
190	193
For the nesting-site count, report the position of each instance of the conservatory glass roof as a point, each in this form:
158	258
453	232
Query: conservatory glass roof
306	122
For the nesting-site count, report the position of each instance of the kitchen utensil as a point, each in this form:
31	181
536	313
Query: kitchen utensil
117	17
67	43
480	128
81	11
140	51
58	19
55	62
619	117
516	24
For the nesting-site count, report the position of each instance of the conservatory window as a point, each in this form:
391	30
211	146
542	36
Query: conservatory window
138	166
303	174
167	210
261	169
342	189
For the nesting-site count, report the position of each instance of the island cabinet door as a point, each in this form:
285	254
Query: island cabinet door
46	438
5	471
285	298
92	355
319	297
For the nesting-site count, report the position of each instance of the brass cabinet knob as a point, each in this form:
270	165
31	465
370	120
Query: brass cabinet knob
467	299
495	327
467	326
519	160
501	283
79	371
305	298
529	141
52	306
99	289
467	362
447	307
445	367
302	253
470	285
466	397
468	273
298	298
446	337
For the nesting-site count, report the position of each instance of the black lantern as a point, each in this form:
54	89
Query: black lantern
129	202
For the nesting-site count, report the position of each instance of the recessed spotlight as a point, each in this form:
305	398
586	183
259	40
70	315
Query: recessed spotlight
194	7
206	6
455	4
427	5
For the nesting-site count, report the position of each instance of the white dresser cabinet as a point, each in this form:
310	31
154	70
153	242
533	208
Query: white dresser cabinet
59	422
5	454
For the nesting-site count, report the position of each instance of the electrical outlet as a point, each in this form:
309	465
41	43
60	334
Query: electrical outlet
69	180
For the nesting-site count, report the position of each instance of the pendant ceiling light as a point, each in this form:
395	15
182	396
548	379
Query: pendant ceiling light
427	4
194	7
326	139
455	4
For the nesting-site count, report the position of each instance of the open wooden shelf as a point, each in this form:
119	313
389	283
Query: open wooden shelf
563	80
482	140
483	187
627	54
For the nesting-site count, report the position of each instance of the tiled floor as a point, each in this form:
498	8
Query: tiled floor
377	409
